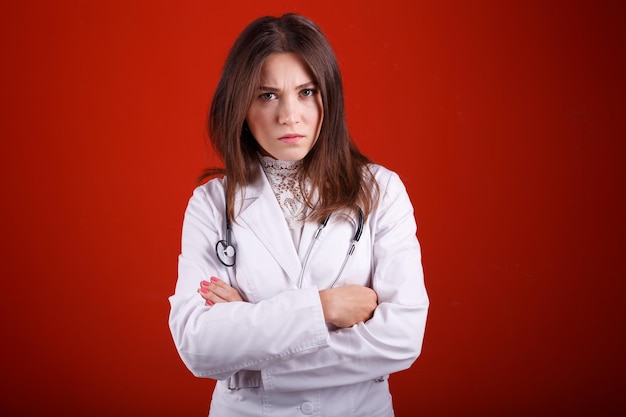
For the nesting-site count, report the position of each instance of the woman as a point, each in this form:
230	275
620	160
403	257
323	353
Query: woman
300	285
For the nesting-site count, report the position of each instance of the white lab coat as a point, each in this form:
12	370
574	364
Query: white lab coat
274	355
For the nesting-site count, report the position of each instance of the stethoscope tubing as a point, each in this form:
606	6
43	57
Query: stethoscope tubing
226	252
353	243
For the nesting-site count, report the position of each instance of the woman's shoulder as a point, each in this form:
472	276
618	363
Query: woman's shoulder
377	169
390	186
211	192
383	175
211	186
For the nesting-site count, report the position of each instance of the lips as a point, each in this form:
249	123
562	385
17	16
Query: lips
290	138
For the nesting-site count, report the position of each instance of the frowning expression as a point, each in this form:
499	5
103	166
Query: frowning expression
286	113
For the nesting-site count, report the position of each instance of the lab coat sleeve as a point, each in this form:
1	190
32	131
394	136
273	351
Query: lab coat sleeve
216	342
392	339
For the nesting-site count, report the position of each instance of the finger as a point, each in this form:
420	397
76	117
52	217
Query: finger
205	293
210	297
214	282
218	291
226	293
223	290
206	288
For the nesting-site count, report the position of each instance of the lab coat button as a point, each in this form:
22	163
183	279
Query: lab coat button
306	408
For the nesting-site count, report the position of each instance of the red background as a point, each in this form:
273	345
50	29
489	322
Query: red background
504	118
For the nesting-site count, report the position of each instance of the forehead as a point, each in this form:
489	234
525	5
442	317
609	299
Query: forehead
285	68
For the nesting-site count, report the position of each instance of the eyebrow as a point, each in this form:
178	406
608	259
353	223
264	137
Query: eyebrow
308	84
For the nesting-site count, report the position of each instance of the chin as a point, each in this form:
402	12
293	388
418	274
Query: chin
290	156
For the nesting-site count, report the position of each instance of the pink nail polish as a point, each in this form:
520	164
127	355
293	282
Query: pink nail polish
213	279
205	283
204	290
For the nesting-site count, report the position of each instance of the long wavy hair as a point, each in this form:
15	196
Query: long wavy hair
337	171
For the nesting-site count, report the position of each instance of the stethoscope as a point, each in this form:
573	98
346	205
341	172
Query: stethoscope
226	252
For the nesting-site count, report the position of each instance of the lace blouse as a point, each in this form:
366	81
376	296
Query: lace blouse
283	177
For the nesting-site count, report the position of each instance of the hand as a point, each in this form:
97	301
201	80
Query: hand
348	305
217	291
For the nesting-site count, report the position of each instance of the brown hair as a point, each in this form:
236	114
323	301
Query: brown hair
336	169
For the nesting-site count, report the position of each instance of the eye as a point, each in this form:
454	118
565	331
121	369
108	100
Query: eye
267	96
308	92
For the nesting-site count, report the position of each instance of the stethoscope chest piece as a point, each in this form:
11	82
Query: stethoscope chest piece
225	253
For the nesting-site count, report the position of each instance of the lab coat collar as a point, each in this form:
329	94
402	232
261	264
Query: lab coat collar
261	212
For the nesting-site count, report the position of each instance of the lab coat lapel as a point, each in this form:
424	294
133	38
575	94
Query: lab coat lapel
262	214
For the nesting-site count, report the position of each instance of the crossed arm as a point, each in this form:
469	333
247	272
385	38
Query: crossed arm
343	306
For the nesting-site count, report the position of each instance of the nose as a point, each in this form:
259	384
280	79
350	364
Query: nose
288	111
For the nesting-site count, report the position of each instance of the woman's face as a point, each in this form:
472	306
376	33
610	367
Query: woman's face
286	113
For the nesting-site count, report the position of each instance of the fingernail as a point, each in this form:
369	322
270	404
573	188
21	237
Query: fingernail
213	279
209	303
205	283
204	290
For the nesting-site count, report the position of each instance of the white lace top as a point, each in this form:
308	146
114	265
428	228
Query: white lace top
283	177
